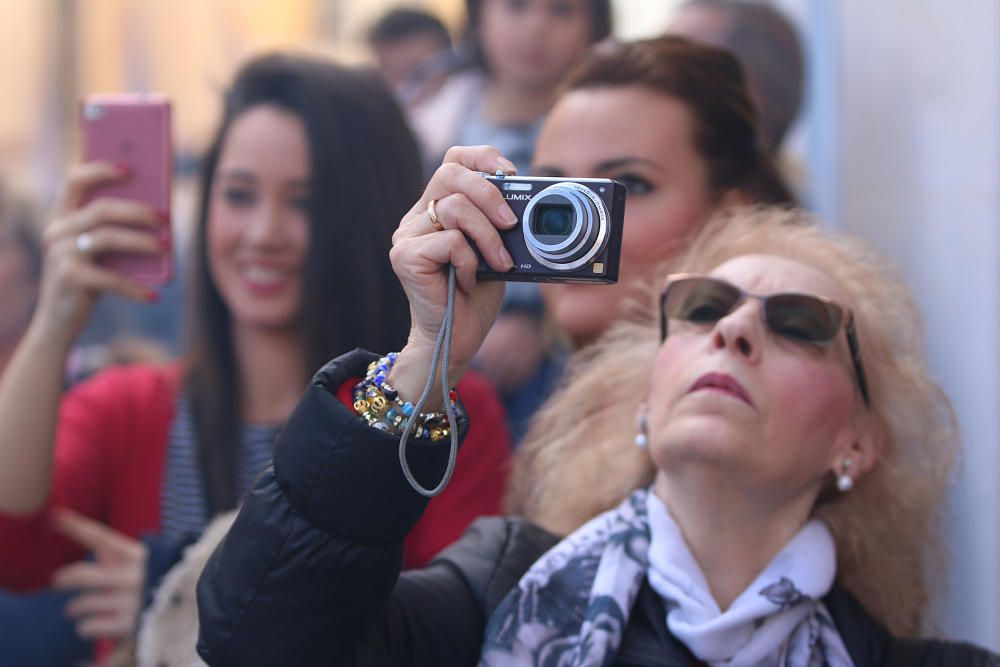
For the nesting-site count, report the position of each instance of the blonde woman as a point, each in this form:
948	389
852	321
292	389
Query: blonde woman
780	507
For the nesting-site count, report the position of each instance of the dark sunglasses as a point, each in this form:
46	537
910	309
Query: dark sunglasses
803	318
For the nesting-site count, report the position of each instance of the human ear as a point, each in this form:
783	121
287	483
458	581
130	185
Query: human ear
642	426
734	197
861	451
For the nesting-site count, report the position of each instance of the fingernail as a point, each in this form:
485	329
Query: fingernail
506	215
163	216
166	242
505	258
507	166
123	169
152	296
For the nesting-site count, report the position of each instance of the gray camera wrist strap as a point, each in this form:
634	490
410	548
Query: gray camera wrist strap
442	358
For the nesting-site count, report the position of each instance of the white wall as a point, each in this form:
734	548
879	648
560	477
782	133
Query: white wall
900	137
917	171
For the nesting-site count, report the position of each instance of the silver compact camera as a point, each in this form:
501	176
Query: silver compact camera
569	229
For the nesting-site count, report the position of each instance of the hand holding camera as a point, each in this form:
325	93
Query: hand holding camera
491	229
458	205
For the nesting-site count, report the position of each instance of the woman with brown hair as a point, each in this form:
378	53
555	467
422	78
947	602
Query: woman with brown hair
782	506
673	121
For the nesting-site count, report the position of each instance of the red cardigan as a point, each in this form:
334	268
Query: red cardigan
111	444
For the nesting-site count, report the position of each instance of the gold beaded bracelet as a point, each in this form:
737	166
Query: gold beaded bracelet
379	404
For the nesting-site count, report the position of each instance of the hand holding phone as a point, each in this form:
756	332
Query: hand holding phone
133	131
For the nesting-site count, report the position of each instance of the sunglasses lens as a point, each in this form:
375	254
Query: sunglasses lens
803	318
700	300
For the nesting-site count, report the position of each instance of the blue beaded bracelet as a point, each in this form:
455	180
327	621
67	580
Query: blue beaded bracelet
378	403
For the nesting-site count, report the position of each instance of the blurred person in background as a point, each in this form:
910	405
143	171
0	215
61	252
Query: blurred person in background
766	44
291	243
413	51
517	53
672	120
20	271
34	628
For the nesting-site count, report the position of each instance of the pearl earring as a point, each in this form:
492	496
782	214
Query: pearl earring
844	481
642	437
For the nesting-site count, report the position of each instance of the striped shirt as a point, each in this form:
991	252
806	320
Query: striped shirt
182	501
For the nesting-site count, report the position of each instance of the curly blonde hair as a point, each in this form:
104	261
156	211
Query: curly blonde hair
579	458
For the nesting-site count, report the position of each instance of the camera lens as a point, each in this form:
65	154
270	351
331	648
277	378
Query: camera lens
566	226
553	220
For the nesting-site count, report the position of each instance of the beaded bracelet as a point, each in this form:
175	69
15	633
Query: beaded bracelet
379	404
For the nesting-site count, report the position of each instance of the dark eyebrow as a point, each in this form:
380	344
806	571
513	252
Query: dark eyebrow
601	167
237	175
625	161
249	177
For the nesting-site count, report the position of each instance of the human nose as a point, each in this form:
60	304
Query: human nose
534	21
740	331
266	224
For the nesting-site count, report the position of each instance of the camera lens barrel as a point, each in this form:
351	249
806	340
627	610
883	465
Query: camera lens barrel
565	226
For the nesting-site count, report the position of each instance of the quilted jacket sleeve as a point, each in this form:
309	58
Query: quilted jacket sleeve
308	573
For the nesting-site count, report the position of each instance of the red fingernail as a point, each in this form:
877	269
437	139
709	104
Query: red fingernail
163	216
152	296
123	168
165	243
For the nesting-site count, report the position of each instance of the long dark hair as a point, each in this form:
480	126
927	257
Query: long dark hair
365	173
711	83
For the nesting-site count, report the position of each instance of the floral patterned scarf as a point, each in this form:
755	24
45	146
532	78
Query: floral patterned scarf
570	609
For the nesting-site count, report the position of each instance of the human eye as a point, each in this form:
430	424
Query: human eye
802	319
634	184
802	328
238	196
563	10
301	202
704	308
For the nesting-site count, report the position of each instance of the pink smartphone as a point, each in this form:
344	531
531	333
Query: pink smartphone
133	130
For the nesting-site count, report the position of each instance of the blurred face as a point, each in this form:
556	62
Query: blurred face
644	139
18	289
735	396
258	226
532	43
701	24
399	59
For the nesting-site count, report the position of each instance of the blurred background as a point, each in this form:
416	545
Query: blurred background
899	142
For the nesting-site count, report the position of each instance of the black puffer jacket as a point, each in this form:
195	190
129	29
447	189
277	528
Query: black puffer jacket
310	572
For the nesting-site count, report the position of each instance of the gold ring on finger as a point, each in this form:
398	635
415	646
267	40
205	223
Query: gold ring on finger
85	243
432	214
